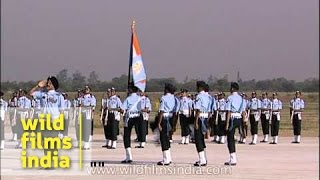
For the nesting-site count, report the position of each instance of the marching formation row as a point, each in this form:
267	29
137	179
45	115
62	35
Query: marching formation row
200	116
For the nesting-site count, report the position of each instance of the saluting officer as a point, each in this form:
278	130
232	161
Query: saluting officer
254	106
167	109
88	105
131	106
235	108
13	104
145	109
276	107
265	116
3	110
297	107
113	108
184	115
52	102
202	107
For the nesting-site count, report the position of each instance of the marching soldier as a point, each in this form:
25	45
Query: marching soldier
76	115
88	105
166	124
202	108
243	129
265	116
113	108
214	119
184	115
145	109
13	104
3	110
235	108
254	106
67	105
297	107
276	107
221	118
131	107
104	119
24	105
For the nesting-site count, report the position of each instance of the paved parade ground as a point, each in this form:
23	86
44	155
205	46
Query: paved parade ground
262	161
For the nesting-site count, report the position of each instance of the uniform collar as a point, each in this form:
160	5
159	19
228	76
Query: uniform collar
235	93
52	91
202	92
168	94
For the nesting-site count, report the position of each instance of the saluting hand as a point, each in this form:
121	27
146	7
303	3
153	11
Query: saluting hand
42	83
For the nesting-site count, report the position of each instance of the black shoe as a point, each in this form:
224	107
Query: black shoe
240	142
272	143
252	143
230	164
139	146
198	164
105	146
161	163
112	148
126	161
295	142
263	141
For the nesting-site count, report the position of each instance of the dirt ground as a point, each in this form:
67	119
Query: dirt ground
262	161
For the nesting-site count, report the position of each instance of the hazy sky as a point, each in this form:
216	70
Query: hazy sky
262	39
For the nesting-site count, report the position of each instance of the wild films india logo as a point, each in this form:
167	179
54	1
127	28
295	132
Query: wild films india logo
42	134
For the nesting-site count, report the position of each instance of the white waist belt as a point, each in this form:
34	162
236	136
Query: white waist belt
265	112
236	115
167	115
275	113
204	115
184	112
134	114
297	112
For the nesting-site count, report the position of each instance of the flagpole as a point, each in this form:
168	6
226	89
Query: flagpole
130	55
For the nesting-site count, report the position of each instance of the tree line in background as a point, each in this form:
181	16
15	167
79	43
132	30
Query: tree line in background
78	81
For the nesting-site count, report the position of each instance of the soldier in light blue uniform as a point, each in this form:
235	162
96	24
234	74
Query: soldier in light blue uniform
184	116
131	107
276	107
265	116
88	105
67	111
297	107
3	110
167	117
13	103
113	108
254	107
235	108
52	103
221	118
23	108
76	115
202	109
145	109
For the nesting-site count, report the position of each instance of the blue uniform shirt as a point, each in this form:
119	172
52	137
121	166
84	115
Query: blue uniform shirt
52	102
254	104
235	103
145	103
113	102
185	104
168	103
276	104
89	100
203	102
266	103
132	103
24	102
297	104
